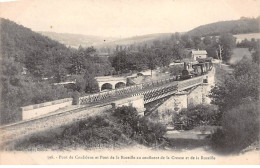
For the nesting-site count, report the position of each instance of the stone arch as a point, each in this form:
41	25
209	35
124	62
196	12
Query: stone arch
107	86
120	85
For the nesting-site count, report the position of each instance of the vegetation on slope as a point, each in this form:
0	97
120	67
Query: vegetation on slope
243	25
31	63
237	97
115	129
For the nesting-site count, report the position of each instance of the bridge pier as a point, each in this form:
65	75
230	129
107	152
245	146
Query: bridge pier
136	102
186	98
181	100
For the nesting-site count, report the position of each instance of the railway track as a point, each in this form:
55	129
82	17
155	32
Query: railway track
61	118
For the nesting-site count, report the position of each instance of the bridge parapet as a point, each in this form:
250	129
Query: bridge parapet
182	85
117	92
150	90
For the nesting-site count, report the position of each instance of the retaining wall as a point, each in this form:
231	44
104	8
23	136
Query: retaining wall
36	110
18	130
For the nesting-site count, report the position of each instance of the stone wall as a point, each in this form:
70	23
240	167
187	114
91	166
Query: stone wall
24	128
184	99
36	110
199	95
172	106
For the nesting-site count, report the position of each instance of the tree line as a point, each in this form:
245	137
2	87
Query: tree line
161	53
243	25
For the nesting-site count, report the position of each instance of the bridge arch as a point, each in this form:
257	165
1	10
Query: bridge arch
120	85
107	86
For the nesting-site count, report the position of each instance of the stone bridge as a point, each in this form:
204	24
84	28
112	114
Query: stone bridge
151	91
97	104
110	82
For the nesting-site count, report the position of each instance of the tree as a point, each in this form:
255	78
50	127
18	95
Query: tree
164	55
227	42
198	115
141	129
177	51
119	61
212	52
196	40
91	84
152	61
207	40
240	128
256	53
243	84
186	39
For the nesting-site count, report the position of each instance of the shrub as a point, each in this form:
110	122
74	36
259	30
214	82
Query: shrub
93	132
126	115
122	128
240	128
197	116
139	128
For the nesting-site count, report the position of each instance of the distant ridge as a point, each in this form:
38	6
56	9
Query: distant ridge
241	26
149	38
75	40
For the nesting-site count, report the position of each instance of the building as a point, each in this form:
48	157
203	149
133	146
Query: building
198	54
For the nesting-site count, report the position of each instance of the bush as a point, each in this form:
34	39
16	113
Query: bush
151	132
240	128
140	128
197	116
126	115
93	132
122	128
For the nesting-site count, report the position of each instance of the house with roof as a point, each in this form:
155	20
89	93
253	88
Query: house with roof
198	54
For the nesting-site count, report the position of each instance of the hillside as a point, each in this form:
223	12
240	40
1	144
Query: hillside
243	25
31	50
31	63
149	38
75	40
27	57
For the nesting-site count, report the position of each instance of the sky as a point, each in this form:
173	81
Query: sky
124	18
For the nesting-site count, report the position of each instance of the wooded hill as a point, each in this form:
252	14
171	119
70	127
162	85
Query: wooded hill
243	25
31	63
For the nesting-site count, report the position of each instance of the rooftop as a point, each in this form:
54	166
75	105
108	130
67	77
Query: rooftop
199	52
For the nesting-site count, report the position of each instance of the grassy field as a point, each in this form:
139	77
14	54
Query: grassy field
248	36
